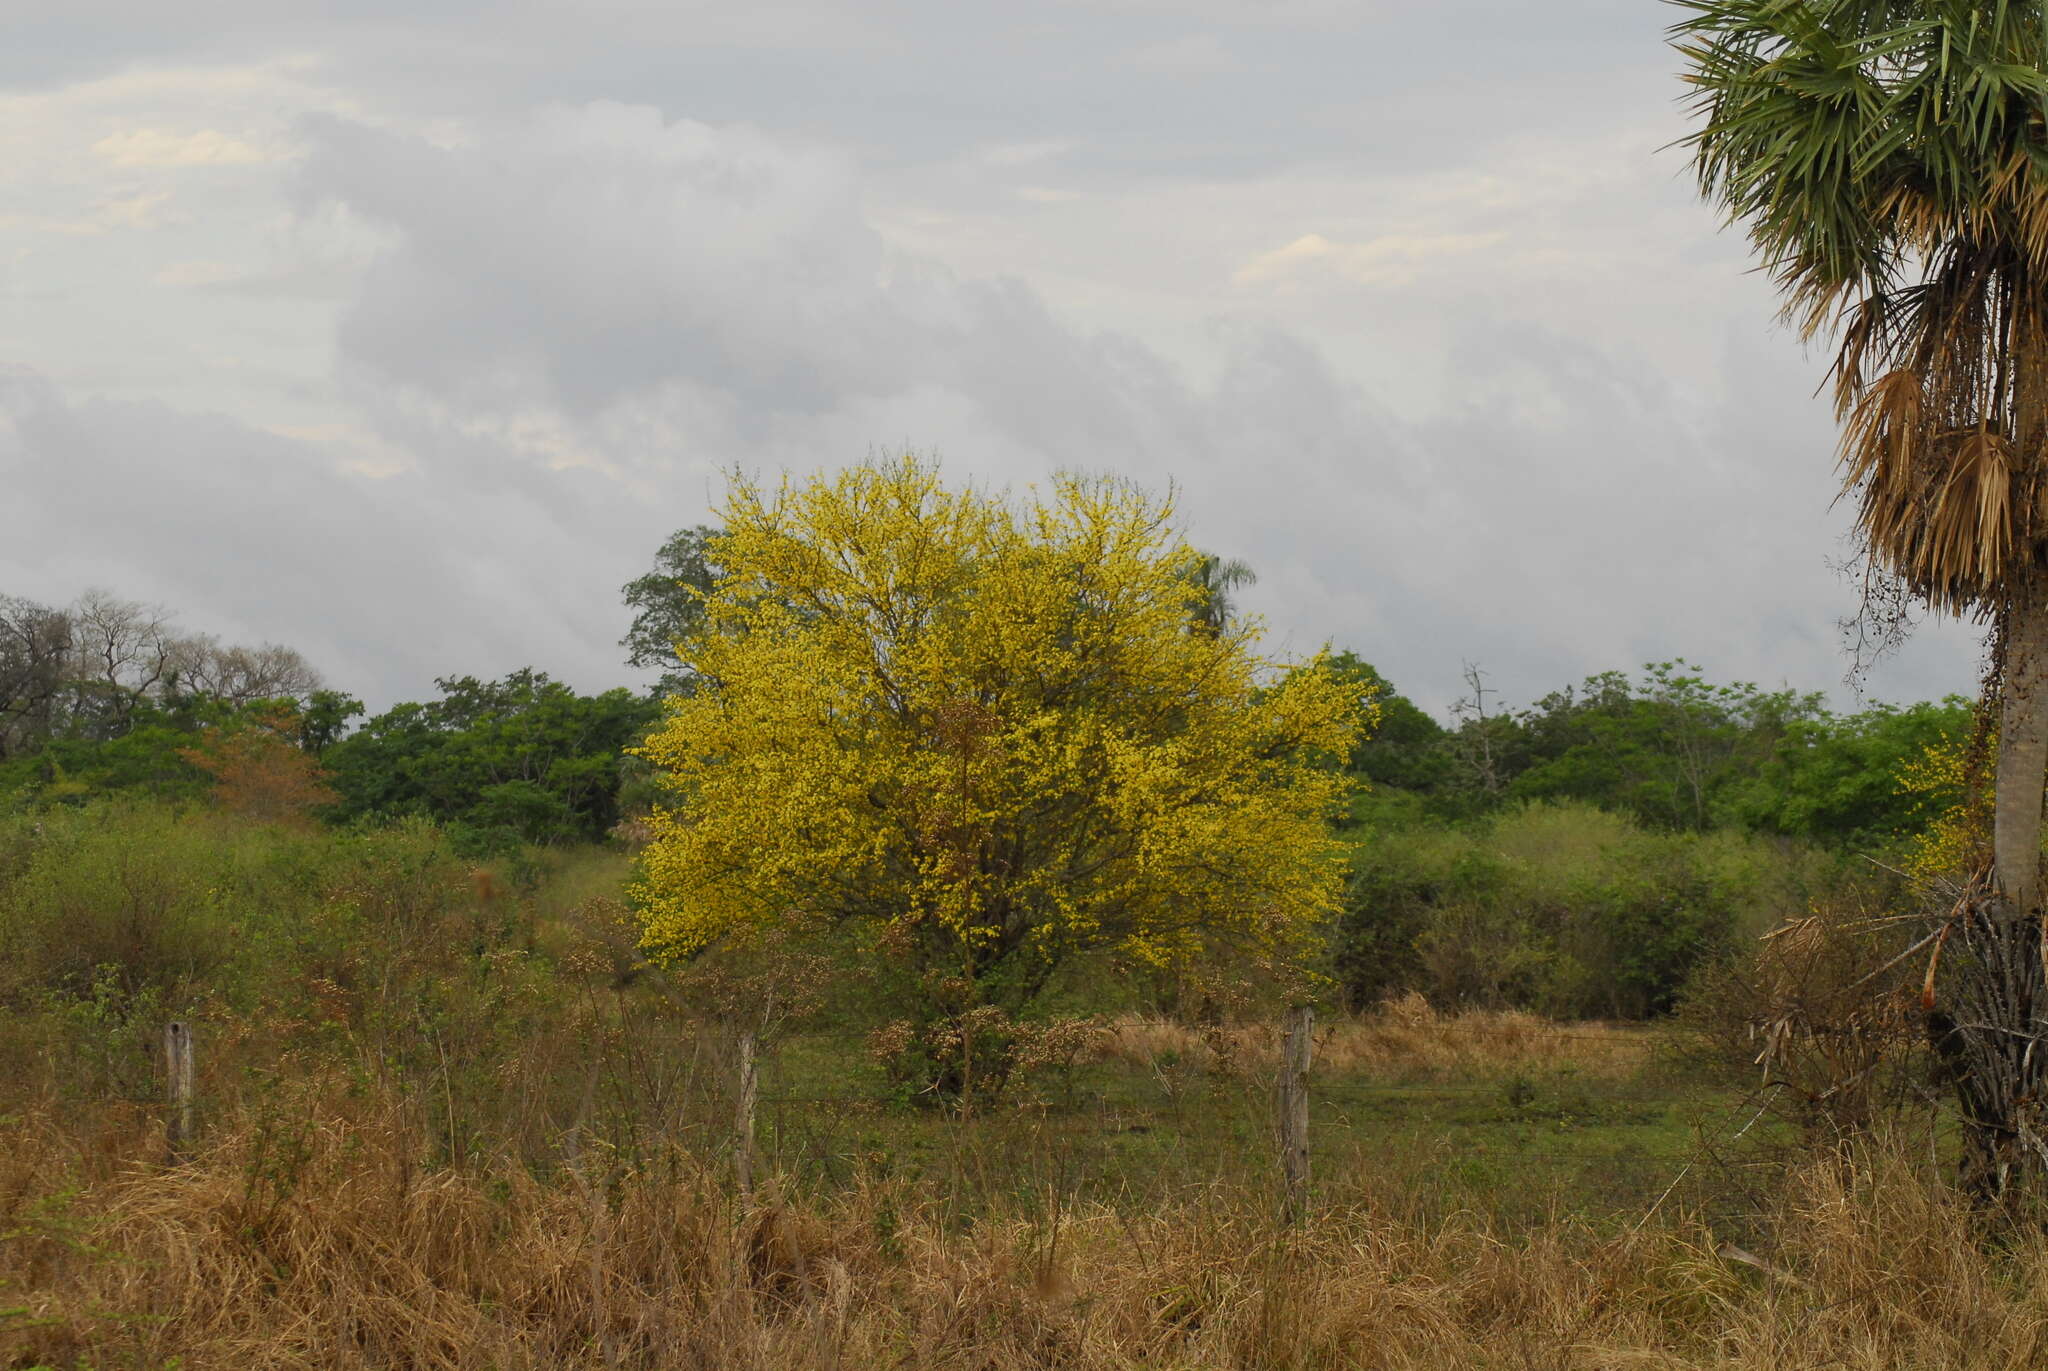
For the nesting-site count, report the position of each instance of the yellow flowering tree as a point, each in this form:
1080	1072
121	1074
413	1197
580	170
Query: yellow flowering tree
992	732
1955	841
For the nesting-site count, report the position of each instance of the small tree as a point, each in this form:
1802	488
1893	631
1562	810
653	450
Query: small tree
984	732
667	605
259	768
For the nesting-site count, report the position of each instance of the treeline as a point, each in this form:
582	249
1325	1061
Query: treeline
1579	856
1587	855
110	695
1669	748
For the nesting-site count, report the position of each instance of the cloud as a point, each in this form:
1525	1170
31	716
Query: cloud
107	214
599	290
1023	154
1195	54
438	432
384	582
152	147
198	274
1386	261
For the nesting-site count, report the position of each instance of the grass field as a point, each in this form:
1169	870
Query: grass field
1488	1195
1499	1114
441	1128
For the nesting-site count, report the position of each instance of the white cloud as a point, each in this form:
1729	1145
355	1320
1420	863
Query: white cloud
1512	399
154	147
1392	260
729	302
109	214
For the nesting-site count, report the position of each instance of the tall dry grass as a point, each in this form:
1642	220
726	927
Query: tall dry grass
1403	1039
323	1243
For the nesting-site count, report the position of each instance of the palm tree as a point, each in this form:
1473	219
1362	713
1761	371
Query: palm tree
1213	580
1889	161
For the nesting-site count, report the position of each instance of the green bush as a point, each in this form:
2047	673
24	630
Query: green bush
1555	907
136	893
375	956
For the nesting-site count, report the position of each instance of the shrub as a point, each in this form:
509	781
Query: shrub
1555	907
132	892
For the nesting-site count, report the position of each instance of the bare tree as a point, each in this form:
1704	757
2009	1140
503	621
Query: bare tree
122	651
202	665
35	651
1478	740
83	670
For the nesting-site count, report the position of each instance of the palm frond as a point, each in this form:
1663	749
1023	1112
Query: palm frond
1889	160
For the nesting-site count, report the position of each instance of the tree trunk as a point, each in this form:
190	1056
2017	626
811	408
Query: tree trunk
2022	750
1993	1046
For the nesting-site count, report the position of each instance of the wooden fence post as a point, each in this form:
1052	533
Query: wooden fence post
743	1122
1294	1065
178	1076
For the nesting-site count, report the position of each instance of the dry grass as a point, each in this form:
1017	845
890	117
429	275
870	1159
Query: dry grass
1403	1039
325	1245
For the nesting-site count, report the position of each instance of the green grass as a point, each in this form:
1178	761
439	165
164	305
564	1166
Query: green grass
1518	1147
319	966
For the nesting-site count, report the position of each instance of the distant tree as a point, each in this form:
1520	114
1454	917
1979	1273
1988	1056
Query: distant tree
1405	748
259	767
1484	743
979	733
1838	779
123	652
35	657
202	665
668	606
1215	582
1669	748
525	758
92	668
324	720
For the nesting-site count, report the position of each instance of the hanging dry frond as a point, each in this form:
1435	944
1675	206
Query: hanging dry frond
1881	440
1970	527
1937	508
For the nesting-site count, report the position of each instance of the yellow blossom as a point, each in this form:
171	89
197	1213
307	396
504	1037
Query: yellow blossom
987	724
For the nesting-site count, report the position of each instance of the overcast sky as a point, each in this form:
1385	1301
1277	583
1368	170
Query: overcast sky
404	332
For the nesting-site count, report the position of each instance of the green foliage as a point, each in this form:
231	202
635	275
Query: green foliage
1839	779
1405	749
1668	748
131	894
1555	907
378	951
522	760
1663	749
668	606
145	758
324	720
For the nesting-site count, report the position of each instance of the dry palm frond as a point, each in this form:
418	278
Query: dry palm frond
1886	162
1880	443
1946	446
1938	508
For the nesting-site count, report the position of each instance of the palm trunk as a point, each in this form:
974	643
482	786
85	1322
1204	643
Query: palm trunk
1993	1046
2022	750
